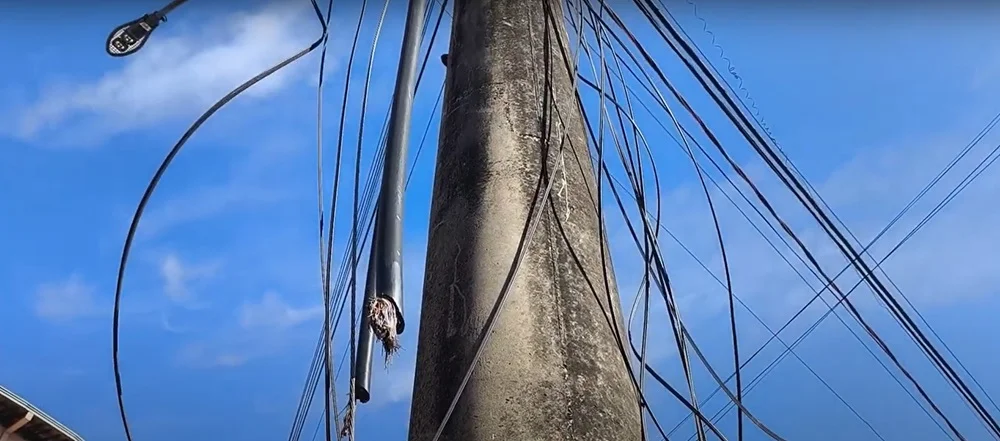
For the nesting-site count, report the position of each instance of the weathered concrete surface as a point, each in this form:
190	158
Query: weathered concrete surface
553	369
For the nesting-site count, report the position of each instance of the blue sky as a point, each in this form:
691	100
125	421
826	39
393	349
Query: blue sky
222	306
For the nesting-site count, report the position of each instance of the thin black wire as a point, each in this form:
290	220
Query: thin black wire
575	68
326	337
599	142
602	234
751	222
750	310
680	332
342	279
954	193
754	114
635	171
725	265
354	219
688	403
593	139
651	61
329	391
664	282
133	227
705	129
768	240
781	169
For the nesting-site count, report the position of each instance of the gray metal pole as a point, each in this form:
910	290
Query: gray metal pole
552	368
366	339
388	238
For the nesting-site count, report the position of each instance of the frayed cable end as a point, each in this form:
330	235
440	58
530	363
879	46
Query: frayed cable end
383	318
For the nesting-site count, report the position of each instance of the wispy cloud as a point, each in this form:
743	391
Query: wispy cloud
66	300
262	327
271	311
178	276
257	178
179	75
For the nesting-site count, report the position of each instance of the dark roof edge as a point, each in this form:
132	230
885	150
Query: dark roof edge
8	394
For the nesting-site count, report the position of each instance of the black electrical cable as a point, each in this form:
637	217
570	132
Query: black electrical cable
639	384
352	405
664	280
593	139
634	167
961	186
342	278
329	391
326	337
826	206
681	347
818	292
793	183
602	239
644	54
754	113
769	241
680	333
670	388
133	227
771	210
772	332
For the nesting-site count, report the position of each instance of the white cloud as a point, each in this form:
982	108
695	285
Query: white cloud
66	300
178	75
256	178
206	202
271	311
264	327
178	276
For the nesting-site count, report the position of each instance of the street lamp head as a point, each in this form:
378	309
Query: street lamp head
131	36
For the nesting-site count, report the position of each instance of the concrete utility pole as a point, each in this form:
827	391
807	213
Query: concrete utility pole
552	369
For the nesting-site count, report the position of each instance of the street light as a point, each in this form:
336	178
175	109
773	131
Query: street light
131	36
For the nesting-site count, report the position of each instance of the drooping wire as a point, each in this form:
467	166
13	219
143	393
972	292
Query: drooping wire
329	391
679	328
767	205
779	253
722	284
602	239
596	20
662	281
367	207
151	187
958	188
349	426
754	114
766	238
789	179
644	54
327	335
575	69
634	169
